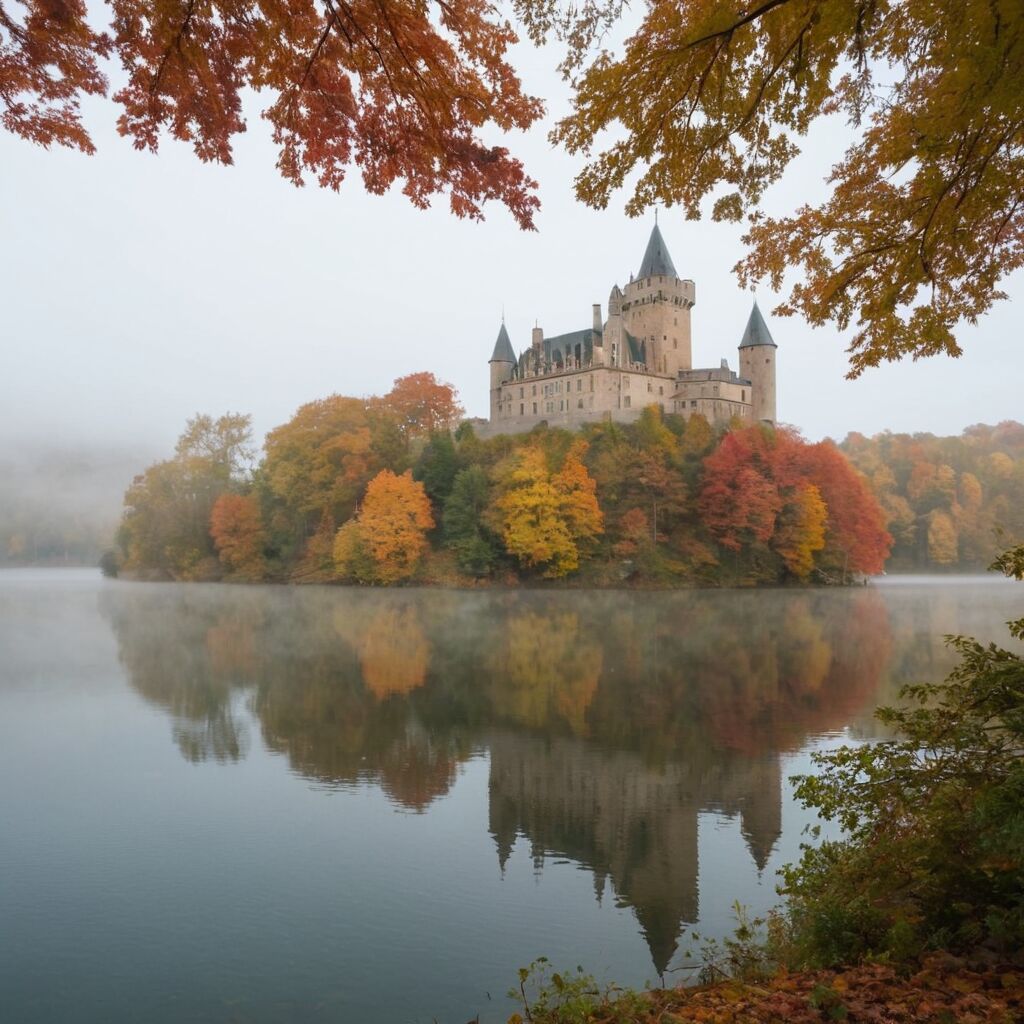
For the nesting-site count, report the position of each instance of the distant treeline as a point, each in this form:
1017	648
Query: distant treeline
61	507
950	502
382	491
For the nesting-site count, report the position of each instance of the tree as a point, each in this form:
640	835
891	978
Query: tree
405	90
236	526
710	97
464	529
738	502
166	521
321	460
423	405
390	529
800	532
932	830
544	518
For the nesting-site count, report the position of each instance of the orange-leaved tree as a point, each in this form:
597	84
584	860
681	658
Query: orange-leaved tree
236	526
386	540
403	89
423	405
767	488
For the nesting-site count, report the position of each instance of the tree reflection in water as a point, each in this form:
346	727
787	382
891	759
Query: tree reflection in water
611	719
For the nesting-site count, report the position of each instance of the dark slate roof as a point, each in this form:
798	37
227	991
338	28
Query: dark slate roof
637	349
503	348
555	349
756	332
656	259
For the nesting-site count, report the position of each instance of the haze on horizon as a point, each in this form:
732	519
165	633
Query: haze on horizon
139	290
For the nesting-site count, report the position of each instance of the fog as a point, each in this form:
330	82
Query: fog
137	290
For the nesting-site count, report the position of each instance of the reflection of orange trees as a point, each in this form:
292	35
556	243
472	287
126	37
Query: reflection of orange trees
813	674
394	652
545	671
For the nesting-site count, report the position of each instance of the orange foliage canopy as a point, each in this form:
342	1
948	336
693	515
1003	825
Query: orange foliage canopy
387	539
236	526
401	88
770	487
423	404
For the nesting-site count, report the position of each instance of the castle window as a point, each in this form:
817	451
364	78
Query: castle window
625	401
561	405
579	403
743	396
591	383
625	382
661	390
693	403
520	392
579	384
675	343
650	386
521	408
534	408
534	393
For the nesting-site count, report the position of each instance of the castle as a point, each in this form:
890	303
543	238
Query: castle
641	355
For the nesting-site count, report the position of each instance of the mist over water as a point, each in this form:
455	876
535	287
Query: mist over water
308	804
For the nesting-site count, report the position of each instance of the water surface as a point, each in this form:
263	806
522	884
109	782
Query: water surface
282	804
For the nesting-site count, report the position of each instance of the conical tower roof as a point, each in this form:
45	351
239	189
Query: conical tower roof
756	332
503	348
657	261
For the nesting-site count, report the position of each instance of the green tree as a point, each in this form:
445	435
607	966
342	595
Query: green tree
932	854
464	529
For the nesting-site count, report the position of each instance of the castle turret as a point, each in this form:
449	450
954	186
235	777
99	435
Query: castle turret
757	364
503	364
656	308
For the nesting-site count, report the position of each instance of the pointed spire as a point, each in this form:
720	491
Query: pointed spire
503	347
657	261
756	332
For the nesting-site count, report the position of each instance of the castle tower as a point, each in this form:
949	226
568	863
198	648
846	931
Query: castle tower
656	308
757	364
502	363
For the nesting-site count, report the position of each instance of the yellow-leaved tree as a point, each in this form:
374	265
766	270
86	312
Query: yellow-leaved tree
386	540
545	518
800	530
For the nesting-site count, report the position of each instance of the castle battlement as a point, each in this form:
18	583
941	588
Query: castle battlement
640	355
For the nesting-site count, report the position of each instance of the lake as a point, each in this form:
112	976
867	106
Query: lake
278	804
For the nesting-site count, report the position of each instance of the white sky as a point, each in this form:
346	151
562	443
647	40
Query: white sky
136	290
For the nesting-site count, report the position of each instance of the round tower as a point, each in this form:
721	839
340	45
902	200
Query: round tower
502	364
757	364
655	308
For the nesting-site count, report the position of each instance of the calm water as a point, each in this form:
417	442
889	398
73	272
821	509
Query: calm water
272	804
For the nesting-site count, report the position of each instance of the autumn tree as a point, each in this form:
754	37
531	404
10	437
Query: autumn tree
236	526
544	518
423	405
407	91
166	521
710	98
386	540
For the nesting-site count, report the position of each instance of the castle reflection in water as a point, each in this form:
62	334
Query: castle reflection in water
611	720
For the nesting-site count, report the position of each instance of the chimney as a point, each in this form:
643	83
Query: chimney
598	325
538	338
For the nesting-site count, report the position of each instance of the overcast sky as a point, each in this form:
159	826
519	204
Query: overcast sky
137	290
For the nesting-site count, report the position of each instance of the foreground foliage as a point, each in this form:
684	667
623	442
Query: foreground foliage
709	100
932	854
939	990
405	90
380	491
